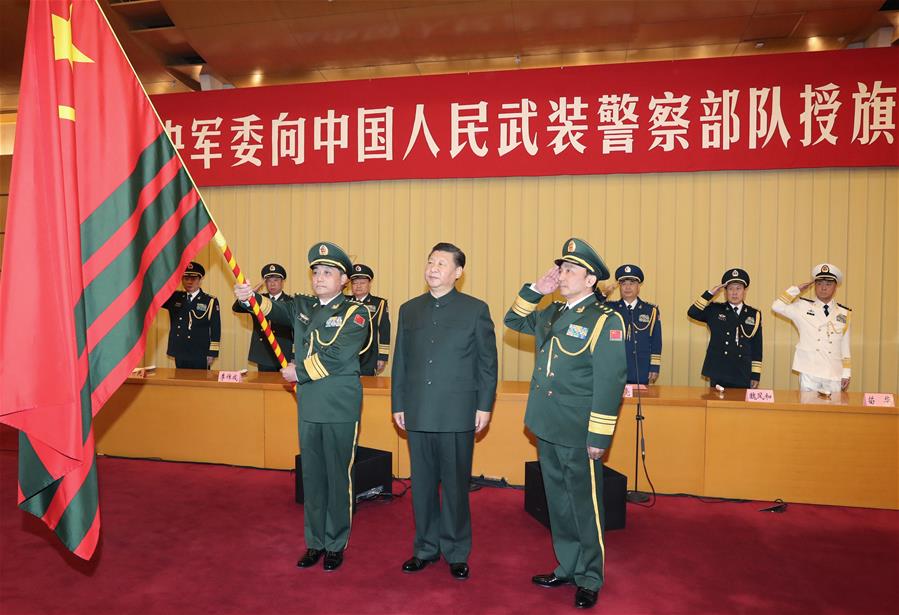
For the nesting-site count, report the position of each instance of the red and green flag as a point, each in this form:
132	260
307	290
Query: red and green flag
102	220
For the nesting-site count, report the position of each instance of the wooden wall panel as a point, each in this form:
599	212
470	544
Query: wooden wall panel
683	229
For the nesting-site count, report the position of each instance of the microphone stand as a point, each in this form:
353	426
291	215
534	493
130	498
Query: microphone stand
636	496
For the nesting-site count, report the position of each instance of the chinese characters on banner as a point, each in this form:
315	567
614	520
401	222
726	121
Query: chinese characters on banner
826	109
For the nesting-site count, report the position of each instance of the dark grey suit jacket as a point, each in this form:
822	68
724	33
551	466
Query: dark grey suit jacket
444	362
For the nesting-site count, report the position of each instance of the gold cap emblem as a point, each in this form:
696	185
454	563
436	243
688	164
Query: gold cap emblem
271	267
825	269
627	269
358	268
734	273
323	250
572	246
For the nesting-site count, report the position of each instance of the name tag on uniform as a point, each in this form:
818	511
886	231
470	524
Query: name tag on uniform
750	320
810	313
178	304
643	318
303	318
577	331
722	317
202	307
334	321
841	318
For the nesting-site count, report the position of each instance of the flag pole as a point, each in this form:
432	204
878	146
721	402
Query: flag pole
218	238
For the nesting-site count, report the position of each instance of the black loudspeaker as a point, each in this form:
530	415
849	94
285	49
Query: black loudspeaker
614	496
372	473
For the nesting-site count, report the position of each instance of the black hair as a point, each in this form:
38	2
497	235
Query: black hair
458	255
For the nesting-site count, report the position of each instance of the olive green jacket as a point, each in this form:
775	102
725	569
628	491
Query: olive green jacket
579	372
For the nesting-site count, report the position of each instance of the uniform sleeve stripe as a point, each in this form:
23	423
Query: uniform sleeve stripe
603	415
213	345
786	298
701	303
314	368
603	430
523	307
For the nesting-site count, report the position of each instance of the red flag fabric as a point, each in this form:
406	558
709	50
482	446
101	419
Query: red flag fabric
102	219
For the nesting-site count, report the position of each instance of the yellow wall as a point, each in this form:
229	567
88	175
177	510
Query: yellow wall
684	229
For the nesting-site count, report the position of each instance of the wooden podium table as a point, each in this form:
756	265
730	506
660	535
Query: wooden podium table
801	448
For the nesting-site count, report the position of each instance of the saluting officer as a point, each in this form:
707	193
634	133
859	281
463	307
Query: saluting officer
822	355
330	330
195	328
375	358
573	406
443	387
261	352
644	327
733	358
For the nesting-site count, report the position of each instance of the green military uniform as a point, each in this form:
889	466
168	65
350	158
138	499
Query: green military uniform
379	348
328	340
444	370
574	400
261	352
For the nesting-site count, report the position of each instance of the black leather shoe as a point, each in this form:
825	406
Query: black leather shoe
333	560
459	570
585	598
415	564
549	580
311	558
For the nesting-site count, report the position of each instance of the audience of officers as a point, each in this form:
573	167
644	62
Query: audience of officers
195	328
643	322
373	360
261	352
822	356
733	358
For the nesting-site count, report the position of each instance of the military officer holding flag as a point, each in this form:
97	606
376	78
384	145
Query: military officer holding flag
573	405
330	331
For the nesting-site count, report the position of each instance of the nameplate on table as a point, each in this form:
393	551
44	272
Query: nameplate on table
630	388
880	400
765	396
229	376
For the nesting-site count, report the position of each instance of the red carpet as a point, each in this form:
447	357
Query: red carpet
188	538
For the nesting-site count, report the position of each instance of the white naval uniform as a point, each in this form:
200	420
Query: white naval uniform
822	353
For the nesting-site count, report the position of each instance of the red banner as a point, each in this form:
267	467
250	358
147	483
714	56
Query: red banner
825	109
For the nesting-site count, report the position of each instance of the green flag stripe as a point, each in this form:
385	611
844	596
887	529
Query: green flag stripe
81	511
108	285
111	350
87	415
80	325
36	483
118	207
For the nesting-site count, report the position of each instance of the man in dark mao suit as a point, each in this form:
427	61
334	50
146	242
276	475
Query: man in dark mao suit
579	376
443	387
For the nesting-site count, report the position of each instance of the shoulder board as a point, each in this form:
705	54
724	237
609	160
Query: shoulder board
806	299
355	301
844	307
650	305
605	309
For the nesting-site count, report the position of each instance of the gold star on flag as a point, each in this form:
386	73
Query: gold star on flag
63	47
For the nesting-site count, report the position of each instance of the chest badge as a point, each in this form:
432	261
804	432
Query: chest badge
303	318
334	321
722	316
577	331
750	320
